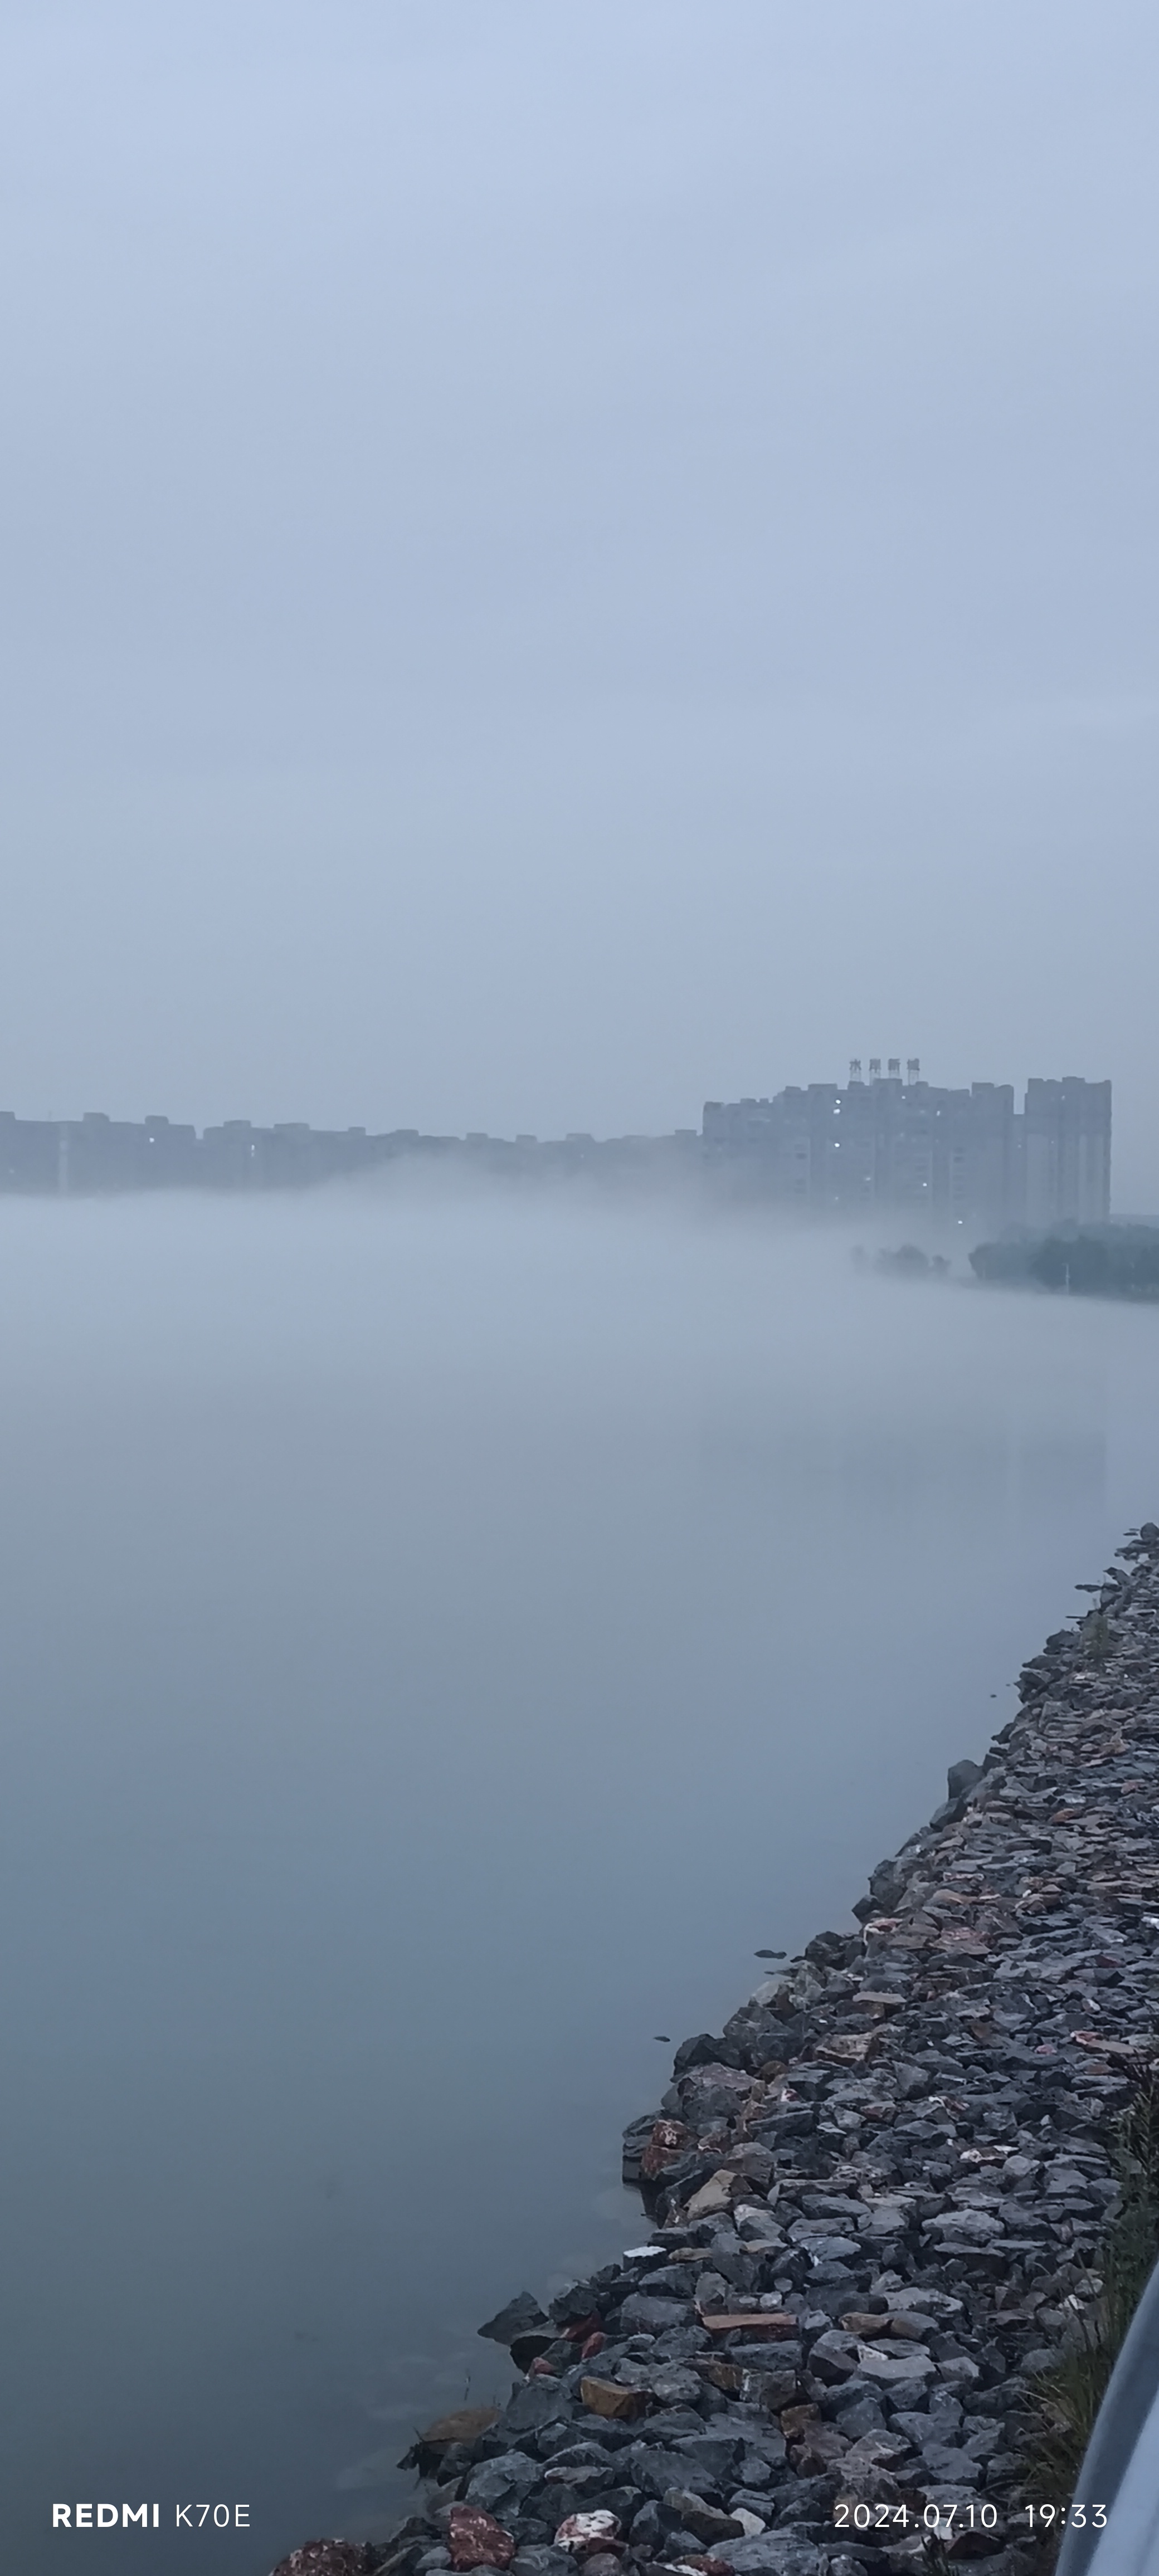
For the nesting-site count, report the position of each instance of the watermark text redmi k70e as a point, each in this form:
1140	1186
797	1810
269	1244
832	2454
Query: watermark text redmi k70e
147	2517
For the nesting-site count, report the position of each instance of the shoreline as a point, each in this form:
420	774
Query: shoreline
872	2201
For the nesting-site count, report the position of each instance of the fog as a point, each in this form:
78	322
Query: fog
560	562
443	1639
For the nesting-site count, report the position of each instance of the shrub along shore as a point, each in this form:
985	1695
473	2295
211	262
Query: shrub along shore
1083	1261
899	2208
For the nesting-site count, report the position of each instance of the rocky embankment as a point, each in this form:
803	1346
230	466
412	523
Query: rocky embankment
876	2197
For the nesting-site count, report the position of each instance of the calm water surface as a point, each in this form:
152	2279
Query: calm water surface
441	1641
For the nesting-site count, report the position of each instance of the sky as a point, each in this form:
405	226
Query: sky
563	560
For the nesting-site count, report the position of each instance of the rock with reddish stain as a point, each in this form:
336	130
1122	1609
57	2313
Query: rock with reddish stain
475	2539
582	2534
665	2147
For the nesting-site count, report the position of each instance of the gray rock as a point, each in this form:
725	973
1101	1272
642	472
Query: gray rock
732	2261
773	2384
697	2515
681	2343
564	2435
886	1888
761	2441
914	2423
876	2451
656	2472
712	2291
647	2530
984	2441
670	2425
671	2385
823	2247
832	1949
902	2366
708	2458
949	2465
520	2316
856	2412
641	2314
577	2455
511	2474
582	2479
833	2356
669	2280
773	2553
806	2501
704	2050
540	2402
927	2301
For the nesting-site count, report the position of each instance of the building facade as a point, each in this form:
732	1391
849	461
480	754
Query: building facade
906	1146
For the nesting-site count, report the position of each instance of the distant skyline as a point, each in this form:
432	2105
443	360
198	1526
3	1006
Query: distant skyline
562	563
855	1069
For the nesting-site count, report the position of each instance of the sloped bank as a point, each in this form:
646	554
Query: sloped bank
875	2197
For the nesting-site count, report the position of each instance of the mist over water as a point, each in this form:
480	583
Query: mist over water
443	1638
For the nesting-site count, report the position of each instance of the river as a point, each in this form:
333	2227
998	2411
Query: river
444	1637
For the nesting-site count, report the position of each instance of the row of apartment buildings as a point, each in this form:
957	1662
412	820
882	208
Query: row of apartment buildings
95	1155
961	1157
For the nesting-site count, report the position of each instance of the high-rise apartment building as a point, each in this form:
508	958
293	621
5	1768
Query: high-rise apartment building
964	1157
1066	1151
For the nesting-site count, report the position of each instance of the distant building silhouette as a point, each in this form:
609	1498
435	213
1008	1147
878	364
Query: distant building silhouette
96	1155
962	1156
80	1157
1066	1151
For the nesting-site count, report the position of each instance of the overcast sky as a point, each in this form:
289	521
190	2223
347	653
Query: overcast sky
566	556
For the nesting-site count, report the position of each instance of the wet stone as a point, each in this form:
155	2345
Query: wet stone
520	2315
